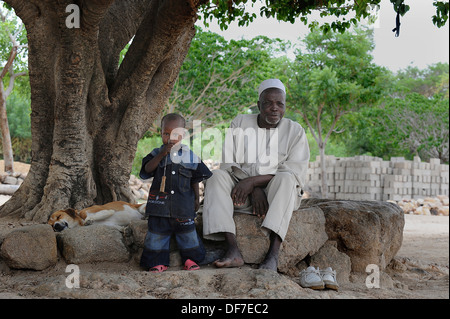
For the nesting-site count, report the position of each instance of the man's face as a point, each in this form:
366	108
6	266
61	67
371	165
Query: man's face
272	105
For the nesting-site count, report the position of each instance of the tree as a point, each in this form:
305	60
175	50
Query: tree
11	69
428	82
411	118
87	112
419	124
333	77
218	78
227	11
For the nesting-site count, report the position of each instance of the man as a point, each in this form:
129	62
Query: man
250	179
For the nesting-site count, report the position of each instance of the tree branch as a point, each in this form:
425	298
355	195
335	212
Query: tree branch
93	12
11	82
162	27
117	28
27	11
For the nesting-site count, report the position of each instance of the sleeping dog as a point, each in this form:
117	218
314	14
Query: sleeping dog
112	214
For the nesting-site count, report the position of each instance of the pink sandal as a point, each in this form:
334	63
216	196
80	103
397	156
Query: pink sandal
159	268
190	265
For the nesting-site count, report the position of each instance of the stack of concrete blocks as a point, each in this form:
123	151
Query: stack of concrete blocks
314	177
371	178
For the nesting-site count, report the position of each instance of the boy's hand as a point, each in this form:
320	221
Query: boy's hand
167	147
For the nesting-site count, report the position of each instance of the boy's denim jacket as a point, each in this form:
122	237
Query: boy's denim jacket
183	168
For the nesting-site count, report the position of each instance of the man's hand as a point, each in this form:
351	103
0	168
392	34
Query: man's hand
241	191
196	205
259	202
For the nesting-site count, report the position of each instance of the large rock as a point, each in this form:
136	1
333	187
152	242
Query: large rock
329	256
95	243
305	236
135	233
369	232
31	247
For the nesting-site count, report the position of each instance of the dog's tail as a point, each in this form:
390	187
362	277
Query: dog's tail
140	207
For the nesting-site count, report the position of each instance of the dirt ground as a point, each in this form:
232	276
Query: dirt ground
423	272
18	167
420	270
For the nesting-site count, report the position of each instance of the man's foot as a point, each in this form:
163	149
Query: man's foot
230	260
271	260
270	263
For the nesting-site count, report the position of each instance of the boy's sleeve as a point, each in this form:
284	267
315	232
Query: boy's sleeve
201	173
143	174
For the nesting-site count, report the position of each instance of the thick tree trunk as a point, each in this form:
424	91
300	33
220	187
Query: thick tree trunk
87	112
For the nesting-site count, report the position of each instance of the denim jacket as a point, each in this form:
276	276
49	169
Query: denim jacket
183	168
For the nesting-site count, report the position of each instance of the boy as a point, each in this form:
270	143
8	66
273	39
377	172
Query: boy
173	199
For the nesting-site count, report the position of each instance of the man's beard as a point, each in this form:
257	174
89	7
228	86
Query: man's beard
273	121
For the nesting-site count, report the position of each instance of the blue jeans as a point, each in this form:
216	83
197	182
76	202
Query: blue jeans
157	241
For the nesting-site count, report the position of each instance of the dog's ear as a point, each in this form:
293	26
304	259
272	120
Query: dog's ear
71	212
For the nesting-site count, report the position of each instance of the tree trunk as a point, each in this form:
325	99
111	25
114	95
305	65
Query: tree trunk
87	113
324	187
6	136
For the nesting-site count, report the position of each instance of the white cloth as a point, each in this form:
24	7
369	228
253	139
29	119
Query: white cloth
283	191
288	148
271	83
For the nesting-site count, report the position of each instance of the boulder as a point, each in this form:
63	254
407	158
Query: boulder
31	247
369	232
135	233
329	256
90	244
305	236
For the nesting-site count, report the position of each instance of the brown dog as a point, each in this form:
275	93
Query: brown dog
112	214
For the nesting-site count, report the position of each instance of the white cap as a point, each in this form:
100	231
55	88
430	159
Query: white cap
271	83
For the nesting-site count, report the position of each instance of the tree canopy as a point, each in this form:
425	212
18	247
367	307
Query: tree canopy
88	111
226	11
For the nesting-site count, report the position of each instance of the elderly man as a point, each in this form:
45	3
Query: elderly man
265	159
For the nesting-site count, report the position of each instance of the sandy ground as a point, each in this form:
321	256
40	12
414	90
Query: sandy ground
426	238
18	167
422	270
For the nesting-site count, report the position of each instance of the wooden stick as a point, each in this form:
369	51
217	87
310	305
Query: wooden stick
163	184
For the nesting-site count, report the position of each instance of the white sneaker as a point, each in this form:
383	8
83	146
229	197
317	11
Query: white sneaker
329	278
310	278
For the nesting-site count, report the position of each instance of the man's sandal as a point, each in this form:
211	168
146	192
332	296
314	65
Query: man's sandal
190	265
159	268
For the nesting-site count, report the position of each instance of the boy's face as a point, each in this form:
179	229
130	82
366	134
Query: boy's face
172	131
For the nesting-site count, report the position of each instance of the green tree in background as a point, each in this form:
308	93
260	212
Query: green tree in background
428	82
89	111
12	65
334	76
218	78
410	120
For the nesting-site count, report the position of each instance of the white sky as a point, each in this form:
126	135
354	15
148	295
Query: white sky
420	42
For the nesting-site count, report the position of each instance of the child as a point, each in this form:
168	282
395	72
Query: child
173	199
